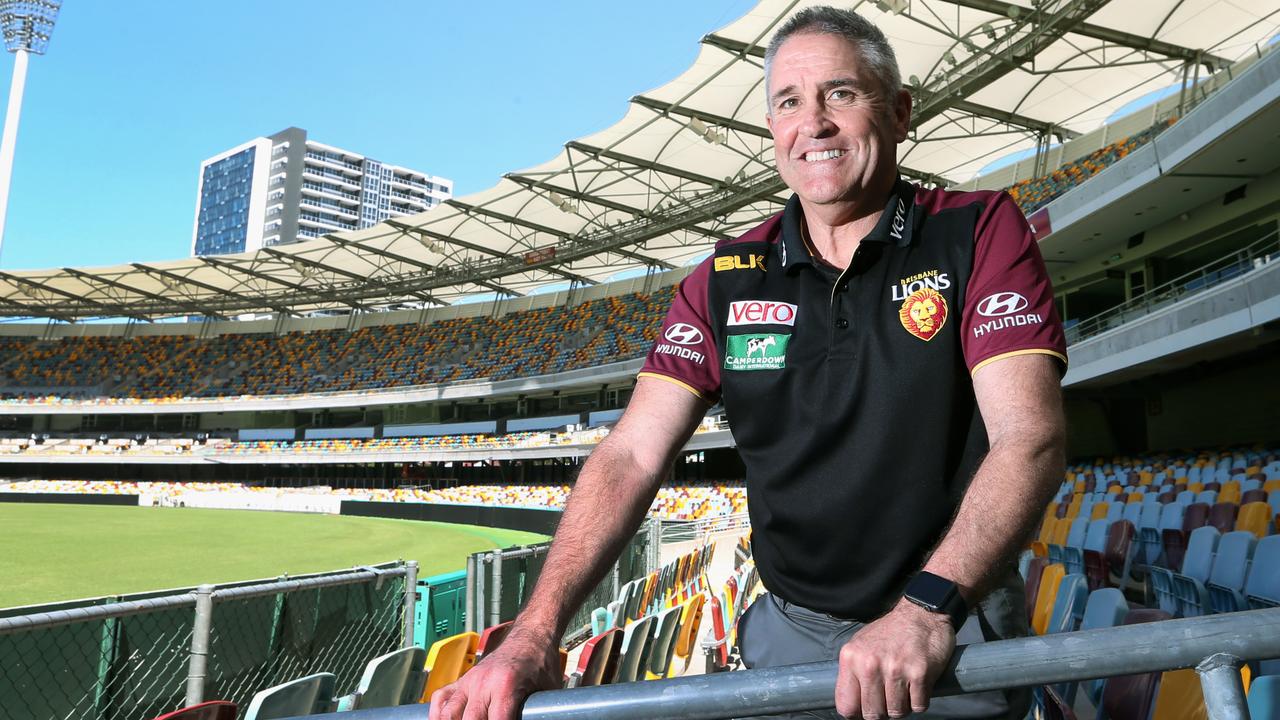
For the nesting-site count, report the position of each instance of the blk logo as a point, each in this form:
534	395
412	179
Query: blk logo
683	334
1003	303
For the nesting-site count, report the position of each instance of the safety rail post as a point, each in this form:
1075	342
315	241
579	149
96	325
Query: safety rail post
1223	689
410	601
495	592
201	629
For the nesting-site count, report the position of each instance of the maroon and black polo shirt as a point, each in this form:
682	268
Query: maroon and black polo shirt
849	394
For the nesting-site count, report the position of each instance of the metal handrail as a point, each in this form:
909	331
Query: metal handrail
1224	269
1215	645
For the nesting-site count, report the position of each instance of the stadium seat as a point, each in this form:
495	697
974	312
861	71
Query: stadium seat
389	680
717	644
305	696
598	662
1223	516
637	640
690	622
1035	571
1149	533
491	638
1055	708
1175	541
1254	517
1262	588
1128	697
1193	598
212	710
1093	563
1179	697
1264	697
664	643
1230	567
1104	608
1253	496
1047	593
448	659
1119	552
601	620
1068	606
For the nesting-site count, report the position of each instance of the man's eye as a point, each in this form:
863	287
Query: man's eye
842	95
787	104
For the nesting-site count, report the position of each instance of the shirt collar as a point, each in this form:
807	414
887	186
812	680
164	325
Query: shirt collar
894	225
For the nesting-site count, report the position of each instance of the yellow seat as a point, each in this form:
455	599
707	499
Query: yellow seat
1196	487
1099	511
1134	498
1254	517
448	660
1060	532
1229	492
1179	697
1114	490
1045	597
1271	486
690	621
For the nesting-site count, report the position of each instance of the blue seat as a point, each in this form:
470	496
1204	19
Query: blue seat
1273	499
305	696
1068	606
1230	568
1162	587
1186	497
1188	585
1208	497
1132	512
1104	608
1264	697
1246	485
601	620
389	680
1262	588
1115	511
1149	545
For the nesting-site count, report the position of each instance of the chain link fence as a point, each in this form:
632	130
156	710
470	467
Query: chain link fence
135	660
499	581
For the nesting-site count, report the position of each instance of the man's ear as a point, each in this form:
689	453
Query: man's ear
902	114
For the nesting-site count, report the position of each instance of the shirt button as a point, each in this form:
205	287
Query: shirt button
843	287
842	323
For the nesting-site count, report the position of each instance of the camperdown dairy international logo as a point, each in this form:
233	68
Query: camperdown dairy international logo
766	351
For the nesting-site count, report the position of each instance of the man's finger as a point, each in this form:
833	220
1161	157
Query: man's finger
872	697
477	708
919	695
438	700
897	696
848	694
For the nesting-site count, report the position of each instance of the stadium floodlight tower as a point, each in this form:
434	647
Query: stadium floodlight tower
27	25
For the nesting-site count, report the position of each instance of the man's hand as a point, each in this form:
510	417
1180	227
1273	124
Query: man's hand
498	685
889	666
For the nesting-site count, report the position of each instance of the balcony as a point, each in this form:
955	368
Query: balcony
337	162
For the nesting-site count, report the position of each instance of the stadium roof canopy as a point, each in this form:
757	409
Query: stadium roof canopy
691	162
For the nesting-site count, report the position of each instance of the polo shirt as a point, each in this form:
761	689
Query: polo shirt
849	394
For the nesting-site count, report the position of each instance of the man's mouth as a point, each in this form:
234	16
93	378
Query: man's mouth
815	156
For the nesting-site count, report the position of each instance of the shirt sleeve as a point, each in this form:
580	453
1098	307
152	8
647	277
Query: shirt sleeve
685	351
1009	308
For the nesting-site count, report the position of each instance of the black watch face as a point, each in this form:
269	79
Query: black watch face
931	590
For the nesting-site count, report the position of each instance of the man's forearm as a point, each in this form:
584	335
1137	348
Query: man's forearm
607	505
1005	498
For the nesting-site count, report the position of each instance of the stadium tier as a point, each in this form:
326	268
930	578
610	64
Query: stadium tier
160	369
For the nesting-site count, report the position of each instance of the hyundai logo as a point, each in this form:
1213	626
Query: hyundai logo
683	334
1003	303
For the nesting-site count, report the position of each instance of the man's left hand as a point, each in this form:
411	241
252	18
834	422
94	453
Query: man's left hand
888	667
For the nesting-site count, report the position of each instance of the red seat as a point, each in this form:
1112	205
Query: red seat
1119	546
1255	495
1175	541
1223	516
211	710
599	659
1129	697
491	638
1034	571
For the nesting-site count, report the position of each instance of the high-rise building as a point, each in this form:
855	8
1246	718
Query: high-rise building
286	188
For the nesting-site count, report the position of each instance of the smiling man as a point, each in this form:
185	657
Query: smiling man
889	359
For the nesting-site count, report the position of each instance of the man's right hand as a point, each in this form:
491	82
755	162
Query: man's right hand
496	688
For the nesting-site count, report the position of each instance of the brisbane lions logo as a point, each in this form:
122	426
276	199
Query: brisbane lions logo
923	313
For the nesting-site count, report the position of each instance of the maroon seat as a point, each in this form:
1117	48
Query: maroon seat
1061	511
1055	708
1255	495
1118	549
1089	485
1095	569
1167	497
1175	541
1129	697
1034	571
1223	516
1213	486
212	710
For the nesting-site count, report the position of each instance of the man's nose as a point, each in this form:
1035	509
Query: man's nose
816	121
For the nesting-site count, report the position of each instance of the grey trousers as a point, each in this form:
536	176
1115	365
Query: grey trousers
775	632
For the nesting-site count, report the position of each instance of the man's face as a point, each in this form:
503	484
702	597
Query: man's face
835	134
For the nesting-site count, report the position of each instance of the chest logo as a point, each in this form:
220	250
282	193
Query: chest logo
930	279
761	312
923	313
739	262
766	351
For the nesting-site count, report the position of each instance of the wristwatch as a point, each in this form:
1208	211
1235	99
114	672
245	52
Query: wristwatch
938	594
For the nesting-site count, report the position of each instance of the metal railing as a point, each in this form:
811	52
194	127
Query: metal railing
1224	269
1215	646
142	658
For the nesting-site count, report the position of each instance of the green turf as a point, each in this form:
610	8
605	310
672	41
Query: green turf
62	552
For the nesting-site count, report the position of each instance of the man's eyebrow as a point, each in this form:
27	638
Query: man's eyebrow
779	94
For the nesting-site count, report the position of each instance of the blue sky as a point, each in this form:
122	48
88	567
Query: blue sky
134	94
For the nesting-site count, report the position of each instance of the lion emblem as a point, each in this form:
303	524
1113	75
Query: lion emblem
923	313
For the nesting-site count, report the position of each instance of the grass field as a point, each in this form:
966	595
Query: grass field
62	552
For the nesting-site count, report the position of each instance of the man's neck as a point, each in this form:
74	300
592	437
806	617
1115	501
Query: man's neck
835	230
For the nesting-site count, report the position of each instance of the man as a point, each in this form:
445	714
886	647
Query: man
889	360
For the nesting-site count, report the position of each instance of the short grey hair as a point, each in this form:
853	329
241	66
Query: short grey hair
860	32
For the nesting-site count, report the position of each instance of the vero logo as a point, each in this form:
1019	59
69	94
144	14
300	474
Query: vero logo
762	312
